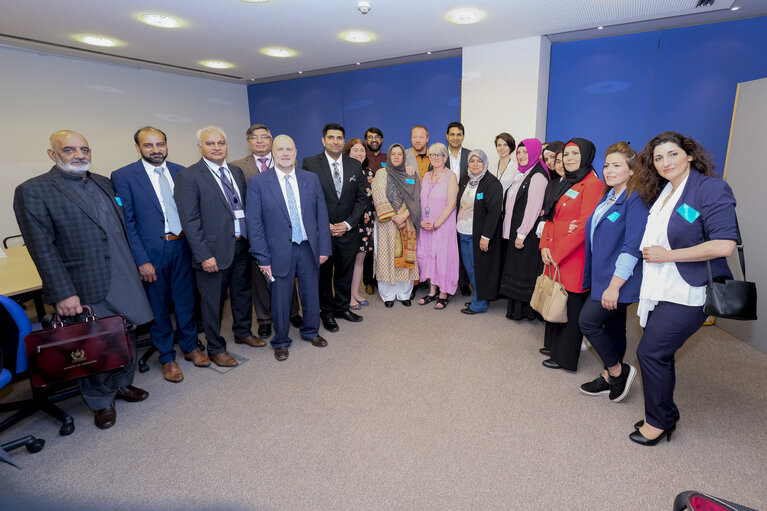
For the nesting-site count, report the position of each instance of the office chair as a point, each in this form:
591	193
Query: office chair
7	238
697	501
14	327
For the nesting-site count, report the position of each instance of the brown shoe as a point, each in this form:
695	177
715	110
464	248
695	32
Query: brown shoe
369	289
223	359
252	341
106	417
172	372
199	358
132	394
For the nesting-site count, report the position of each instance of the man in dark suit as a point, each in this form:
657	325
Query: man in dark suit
289	235
210	197
259	160
73	226
458	162
159	248
344	186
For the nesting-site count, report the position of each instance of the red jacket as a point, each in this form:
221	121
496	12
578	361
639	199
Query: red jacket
568	249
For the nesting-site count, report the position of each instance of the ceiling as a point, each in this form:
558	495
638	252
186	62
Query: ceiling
235	31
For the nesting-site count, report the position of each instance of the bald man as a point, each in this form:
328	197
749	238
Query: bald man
289	234
73	226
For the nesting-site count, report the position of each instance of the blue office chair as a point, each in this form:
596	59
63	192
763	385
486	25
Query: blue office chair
12	310
14	327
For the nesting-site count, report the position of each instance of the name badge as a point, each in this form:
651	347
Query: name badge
410	181
238	213
480	195
687	213
119	201
571	193
613	216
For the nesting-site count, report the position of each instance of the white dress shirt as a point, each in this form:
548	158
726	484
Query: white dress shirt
455	163
296	194
154	178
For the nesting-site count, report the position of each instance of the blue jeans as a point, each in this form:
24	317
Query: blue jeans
467	254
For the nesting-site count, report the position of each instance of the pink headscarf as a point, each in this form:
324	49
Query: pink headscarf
533	146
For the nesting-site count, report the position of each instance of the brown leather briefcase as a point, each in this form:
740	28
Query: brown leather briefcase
65	353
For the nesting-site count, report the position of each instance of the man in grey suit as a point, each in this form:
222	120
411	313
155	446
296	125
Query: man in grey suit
210	196
260	159
73	226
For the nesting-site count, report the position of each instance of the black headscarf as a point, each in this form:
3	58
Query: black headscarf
558	189
400	187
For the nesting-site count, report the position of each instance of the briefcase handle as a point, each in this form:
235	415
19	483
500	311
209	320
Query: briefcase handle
57	322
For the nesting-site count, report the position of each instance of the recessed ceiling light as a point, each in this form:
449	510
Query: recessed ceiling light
465	16
735	8
357	36
300	72
95	40
255	1
600	28
278	52
159	20
216	64
428	53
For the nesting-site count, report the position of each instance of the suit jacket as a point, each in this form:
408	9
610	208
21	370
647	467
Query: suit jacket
144	220
619	231
464	162
269	228
249	166
351	204
68	246
205	215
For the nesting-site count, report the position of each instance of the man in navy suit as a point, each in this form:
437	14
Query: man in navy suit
159	248
289	235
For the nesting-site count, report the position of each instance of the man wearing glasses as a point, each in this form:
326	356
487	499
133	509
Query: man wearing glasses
374	142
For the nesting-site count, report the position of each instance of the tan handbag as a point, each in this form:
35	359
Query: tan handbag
550	298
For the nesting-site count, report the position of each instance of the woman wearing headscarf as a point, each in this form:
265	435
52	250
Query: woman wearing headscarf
564	249
556	182
520	258
480	198
504	168
396	197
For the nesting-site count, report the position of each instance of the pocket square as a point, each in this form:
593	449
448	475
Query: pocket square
353	178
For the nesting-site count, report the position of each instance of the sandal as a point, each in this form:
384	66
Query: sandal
442	303
355	307
427	299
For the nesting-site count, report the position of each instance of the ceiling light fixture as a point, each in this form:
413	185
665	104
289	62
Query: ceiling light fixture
278	52
159	20
465	16
428	53
735	8
357	36
254	1
600	28
96	40
300	72
216	64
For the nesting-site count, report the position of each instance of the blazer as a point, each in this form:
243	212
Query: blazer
705	211
144	220
269	228
410	160
68	245
568	249
205	215
464	162
619	231
249	166
351	204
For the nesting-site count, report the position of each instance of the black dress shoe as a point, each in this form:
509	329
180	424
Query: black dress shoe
468	310
467	304
389	304
639	438
551	364
641	423
264	331
330	324
465	291
406	303
132	394
106	417
545	351
318	341
281	354
349	316
297	321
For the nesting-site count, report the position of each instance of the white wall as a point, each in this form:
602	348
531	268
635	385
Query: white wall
505	88
41	93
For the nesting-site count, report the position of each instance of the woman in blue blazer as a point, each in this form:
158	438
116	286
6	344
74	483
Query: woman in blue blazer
613	233
692	221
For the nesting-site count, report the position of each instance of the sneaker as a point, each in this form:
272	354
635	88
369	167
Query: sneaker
596	387
619	387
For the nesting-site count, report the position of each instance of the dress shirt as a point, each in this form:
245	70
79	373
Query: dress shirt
340	162
535	193
465	219
455	163
296	194
214	170
268	161
154	178
624	265
375	161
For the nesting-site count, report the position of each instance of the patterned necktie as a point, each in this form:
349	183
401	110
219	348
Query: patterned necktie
337	179
263	161
295	219
166	195
231	197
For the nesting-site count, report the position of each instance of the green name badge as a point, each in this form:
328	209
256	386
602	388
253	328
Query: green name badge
571	193
480	195
687	213
613	216
410	181
119	201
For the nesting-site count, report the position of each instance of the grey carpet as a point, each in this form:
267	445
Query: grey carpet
411	409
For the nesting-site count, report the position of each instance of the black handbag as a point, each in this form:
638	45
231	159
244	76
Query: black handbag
731	299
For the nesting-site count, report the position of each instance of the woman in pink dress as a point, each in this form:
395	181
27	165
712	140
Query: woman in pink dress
437	250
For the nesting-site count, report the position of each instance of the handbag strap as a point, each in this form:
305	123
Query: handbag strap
741	257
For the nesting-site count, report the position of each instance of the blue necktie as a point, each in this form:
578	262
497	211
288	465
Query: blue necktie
171	213
231	198
295	219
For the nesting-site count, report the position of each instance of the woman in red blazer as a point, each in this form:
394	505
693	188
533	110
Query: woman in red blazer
566	250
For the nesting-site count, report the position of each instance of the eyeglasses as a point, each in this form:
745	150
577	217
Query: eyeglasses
434	155
259	137
374	137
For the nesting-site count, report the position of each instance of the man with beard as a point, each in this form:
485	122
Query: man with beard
159	249
73	227
418	155
374	143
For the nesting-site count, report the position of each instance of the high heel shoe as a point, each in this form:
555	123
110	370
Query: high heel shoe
639	438
641	423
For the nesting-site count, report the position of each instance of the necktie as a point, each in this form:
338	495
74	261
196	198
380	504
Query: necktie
166	195
295	219
263	164
231	197
337	179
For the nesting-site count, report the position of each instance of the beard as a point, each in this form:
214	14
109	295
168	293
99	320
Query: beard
155	159
74	167
374	146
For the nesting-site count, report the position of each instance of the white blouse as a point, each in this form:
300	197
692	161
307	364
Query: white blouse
506	175
662	281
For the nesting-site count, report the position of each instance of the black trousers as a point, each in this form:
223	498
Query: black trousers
336	275
605	330
367	270
564	339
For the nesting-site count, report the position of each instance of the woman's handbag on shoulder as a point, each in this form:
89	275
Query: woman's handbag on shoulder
731	299
550	298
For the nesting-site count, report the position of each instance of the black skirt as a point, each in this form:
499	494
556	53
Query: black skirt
521	268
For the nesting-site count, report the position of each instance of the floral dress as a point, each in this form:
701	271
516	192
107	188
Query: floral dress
366	221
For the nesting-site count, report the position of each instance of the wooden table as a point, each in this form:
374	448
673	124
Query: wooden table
19	278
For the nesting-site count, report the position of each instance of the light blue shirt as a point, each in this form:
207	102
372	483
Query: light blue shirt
624	265
214	170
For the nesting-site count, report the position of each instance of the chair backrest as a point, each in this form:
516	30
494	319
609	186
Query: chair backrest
14	327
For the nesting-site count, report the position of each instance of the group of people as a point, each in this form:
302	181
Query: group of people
266	231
